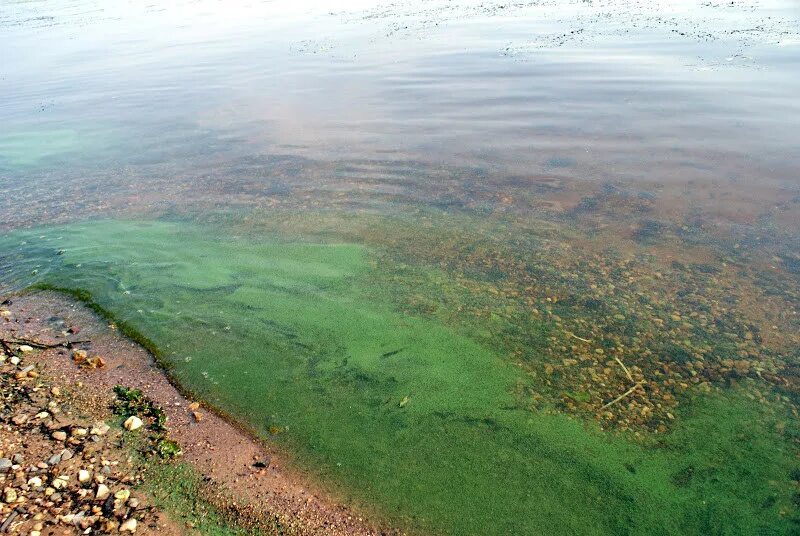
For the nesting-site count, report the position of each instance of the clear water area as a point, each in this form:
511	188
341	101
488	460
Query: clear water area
399	412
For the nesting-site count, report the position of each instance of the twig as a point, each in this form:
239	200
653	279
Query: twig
627	372
623	395
579	338
7	523
36	344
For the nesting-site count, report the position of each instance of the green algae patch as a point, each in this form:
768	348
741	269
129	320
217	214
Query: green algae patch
397	412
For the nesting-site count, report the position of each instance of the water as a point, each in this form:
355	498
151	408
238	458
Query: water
426	247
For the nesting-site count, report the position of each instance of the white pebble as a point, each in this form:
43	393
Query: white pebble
133	423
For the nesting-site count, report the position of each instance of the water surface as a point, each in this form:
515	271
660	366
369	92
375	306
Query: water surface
428	247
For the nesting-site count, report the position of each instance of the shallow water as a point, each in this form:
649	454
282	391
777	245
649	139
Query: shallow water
426	246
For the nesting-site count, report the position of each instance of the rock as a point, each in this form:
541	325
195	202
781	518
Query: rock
60	482
18	458
197	416
79	356
95	362
128	526
102	492
122	495
55	459
9	495
194	406
84	476
79	432
99	429
5	465
15	360
19	419
66	454
59	435
24	348
133	423
35	482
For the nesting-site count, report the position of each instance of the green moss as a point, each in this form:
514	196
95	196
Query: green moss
133	402
178	490
396	410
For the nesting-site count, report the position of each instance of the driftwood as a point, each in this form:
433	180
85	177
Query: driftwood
579	338
6	343
627	372
10	519
623	395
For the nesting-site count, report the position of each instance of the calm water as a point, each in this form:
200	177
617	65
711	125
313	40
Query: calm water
469	262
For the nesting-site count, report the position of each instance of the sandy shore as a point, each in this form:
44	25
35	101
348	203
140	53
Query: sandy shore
244	475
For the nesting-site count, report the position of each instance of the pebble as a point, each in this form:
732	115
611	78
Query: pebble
60	435
24	348
99	429
133	423
128	526
19	419
84	476
9	495
5	465
102	492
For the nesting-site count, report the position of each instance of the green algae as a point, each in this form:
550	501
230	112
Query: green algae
399	412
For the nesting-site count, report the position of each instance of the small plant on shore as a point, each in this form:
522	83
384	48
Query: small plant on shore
132	402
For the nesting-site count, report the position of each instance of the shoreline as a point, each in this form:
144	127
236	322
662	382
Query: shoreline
252	478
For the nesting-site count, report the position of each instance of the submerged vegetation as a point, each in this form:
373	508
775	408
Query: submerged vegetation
435	380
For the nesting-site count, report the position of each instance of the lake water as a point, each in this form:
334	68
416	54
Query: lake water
479	267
